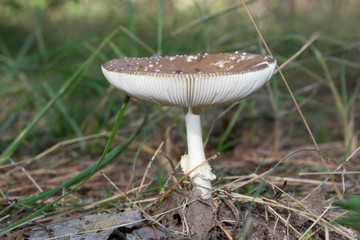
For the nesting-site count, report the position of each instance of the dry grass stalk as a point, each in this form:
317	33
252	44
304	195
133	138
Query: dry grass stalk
280	180
28	175
217	118
205	18
139	207
224	230
277	158
269	202
180	180
237	184
295	102
290	197
168	180
337	169
285	221
117	189
53	148
5	217
24	223
344	61
301	50
328	173
58	145
149	164
331	222
316	221
138	40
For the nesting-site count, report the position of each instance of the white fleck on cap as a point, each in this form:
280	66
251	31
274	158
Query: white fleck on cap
191	81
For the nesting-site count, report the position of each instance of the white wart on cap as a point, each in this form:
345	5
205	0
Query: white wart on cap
192	82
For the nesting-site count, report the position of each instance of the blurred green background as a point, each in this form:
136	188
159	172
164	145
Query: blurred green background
44	43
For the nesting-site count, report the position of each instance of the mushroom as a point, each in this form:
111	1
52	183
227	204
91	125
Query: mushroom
192	82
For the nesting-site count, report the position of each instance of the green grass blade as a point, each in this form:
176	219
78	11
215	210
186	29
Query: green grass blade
73	80
346	152
305	70
241	106
352	204
38	34
18	61
88	46
5	51
231	144
131	27
343	82
204	28
62	110
7	122
209	17
331	84
160	26
91	170
302	98
353	96
275	86
26	99
116	50
109	157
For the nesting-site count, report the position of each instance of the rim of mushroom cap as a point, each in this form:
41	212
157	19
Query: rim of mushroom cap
201	64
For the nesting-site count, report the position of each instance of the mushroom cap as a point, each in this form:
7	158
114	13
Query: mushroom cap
191	81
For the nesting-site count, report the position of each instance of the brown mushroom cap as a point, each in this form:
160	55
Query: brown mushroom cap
191	80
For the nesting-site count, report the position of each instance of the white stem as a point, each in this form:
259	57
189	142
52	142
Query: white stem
194	139
203	175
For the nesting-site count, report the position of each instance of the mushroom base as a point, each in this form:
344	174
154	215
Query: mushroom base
205	190
202	176
200	216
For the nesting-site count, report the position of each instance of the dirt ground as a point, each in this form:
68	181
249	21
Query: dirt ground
288	204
